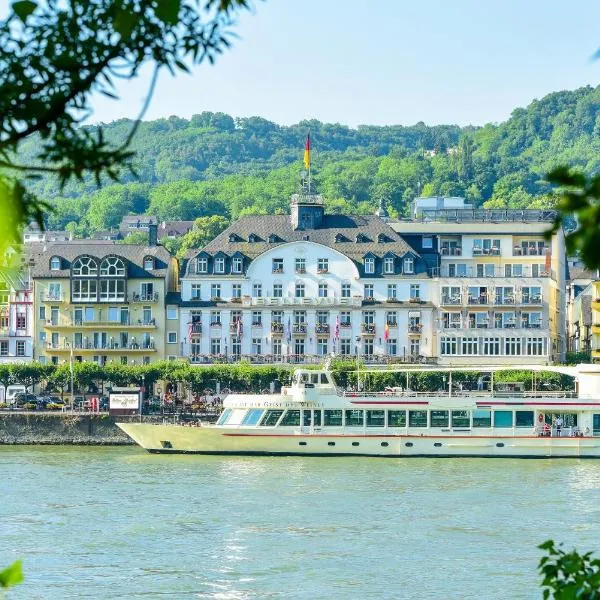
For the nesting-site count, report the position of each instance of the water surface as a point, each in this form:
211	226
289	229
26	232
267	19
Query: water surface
121	523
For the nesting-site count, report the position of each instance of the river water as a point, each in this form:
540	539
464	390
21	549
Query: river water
121	523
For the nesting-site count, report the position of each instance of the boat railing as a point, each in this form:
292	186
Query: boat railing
460	394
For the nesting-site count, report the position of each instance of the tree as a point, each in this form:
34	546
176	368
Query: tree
205	229
55	54
135	237
569	575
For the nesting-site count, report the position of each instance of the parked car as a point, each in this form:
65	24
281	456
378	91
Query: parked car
21	399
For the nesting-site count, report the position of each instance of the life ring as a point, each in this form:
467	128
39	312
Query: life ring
540	418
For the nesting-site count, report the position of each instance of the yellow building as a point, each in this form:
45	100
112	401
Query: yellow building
102	302
595	321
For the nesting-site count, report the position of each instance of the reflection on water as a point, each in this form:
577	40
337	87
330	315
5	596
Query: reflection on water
120	523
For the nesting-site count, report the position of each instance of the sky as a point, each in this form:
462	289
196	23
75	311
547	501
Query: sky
383	62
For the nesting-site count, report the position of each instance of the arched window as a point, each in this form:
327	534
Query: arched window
149	263
55	263
85	266
113	266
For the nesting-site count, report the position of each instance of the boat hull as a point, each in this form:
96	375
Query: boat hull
179	439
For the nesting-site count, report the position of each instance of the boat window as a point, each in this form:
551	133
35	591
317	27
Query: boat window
224	416
417	418
460	418
324	379
271	417
503	418
290	419
307	418
568	419
524	418
482	418
252	416
376	418
355	418
317	418
333	418
314	378
236	417
439	418
396	418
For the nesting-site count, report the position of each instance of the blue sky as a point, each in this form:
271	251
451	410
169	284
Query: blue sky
385	62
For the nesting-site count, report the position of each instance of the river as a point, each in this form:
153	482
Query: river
110	523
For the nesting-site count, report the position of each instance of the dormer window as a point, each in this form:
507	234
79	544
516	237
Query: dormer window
273	239
369	265
409	265
233	237
382	238
220	265
360	238
237	264
149	263
55	263
253	238
388	265
203	265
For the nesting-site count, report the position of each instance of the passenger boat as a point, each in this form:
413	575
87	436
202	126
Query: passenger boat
313	416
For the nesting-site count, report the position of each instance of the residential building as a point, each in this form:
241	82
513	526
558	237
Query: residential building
103	302
499	287
581	321
33	234
170	229
305	286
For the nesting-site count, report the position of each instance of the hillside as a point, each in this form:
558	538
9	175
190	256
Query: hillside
213	164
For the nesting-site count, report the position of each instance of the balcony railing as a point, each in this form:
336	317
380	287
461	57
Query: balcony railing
146	297
323	270
307	359
276	327
521	251
195	328
301	270
494	251
48	297
505	300
98	323
451	300
277	270
452	251
498	273
531	300
321	328
472	300
135	346
299	328
415	328
368	328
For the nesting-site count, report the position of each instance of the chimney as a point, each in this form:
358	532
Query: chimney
152	234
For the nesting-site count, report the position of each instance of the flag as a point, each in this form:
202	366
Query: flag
386	331
190	329
336	335
289	329
240	327
307	152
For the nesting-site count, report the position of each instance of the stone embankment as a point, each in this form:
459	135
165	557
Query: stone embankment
65	428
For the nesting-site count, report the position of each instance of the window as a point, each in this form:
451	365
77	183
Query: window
368	347
375	418
535	346
491	346
42	313
515	270
531	295
322	346
237	264
417	418
323	290
21	320
236	345
277	290
531	320
55	263
202	265
396	418
257	290
332	418
147	315
523	418
415	347
369	265
451	320
256	345
392	291
322	265
84	290
277	347
20	347
236	290
368	317
196	291
388	265
300	290
512	346
3	347
391	318
415	291
271	417
219	265
172	337
482	418
148	263
345	346
300	264
369	291
172	312
113	266
345	290
451	295
485	270
257	317
278	265
253	416
85	266
439	418
448	346
345	319
215	317
291	418
503	418
392	347
469	346
112	289
409	265
354	418
215	346
486	246
460	418
427	241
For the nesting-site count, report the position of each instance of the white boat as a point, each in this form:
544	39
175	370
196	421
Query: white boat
314	417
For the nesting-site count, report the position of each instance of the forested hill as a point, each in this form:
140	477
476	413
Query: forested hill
214	164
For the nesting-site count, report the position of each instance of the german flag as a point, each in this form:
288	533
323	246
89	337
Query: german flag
307	152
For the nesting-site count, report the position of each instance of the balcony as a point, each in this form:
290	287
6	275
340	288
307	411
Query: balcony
451	300
301	270
48	297
146	297
277	270
276	327
323	271
505	301
531	300
392	323
235	300
493	251
132	347
368	328
299	328
482	300
321	328
257	323
195	329
66	323
453	251
415	328
216	324
521	251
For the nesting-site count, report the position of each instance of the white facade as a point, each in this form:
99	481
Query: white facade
16	319
300	300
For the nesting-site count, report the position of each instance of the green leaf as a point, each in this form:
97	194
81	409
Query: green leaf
168	11
11	575
23	8
124	22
